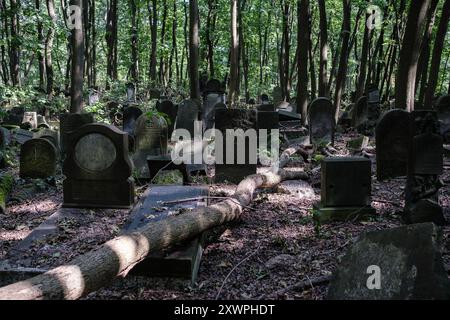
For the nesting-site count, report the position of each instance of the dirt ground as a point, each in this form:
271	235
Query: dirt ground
274	245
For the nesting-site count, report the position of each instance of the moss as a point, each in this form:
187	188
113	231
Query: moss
6	183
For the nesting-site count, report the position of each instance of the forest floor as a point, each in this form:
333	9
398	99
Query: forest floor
274	245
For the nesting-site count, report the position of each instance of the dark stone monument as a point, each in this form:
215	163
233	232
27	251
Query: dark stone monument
188	114
98	168
151	140
235	171
392	139
277	96
425	165
48	134
14	117
266	120
396	264
129	118
321	121
42	122
266	107
346	190
131	92
264	98
213	94
443	109
70	122
38	158
360	112
171	110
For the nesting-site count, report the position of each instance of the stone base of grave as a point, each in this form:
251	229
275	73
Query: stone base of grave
334	214
158	203
233	173
98	194
425	210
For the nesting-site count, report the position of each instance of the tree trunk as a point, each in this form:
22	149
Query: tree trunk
153	19
437	54
14	54
409	56
111	41
342	73
117	257
234	61
302	65
361	83
41	58
49	48
285	50
76	89
323	68
194	42
162	41
134	69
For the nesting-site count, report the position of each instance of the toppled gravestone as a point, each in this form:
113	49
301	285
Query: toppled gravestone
398	264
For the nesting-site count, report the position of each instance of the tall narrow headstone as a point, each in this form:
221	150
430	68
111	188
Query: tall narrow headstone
321	121
130	116
425	165
170	110
98	168
360	112
131	92
212	95
188	115
392	139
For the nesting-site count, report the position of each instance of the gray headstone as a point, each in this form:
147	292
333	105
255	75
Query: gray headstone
98	168
321	121
188	114
151	140
398	264
38	158
277	96
48	134
392	139
209	111
130	116
70	122
42	122
170	110
360	112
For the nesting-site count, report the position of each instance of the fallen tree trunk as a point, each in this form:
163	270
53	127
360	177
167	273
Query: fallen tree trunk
97	268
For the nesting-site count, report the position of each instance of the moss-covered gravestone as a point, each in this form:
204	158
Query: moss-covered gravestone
345	190
38	159
98	168
49	134
321	121
392	139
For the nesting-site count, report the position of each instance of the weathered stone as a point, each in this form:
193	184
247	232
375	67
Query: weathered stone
277	96
151	140
358	144
98	168
345	189
131	92
14	117
188	115
30	120
210	102
235	171
407	260
21	136
392	139
321	121
48	134
264	98
266	107
214	86
94	96
360	112
38	158
443	109
170	110
42	122
70	122
130	115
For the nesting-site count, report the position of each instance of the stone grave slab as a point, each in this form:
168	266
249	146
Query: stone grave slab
289	116
397	264
38	159
392	139
48	134
183	260
321	121
346	186
98	168
360	112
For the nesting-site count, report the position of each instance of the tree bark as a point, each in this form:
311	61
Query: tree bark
111	41
194	43
14	54
49	48
234	61
117	257
361	83
302	43
153	18
437	54
41	58
409	56
134	69
76	89
323	68
342	73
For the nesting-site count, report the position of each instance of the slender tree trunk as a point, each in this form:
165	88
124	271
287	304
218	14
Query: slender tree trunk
14	54
234	61
409	56
323	68
153	18
111	41
302	43
134	69
362	77
4	37
342	73
41	58
49	48
194	43
437	54
76	89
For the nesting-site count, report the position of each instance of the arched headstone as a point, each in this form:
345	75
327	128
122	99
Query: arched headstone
130	115
321	121
392	139
168	108
38	158
98	168
70	122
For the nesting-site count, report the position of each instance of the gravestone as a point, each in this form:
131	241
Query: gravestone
48	134
266	107
155	94
21	136
212	95
425	165
14	117
42	122
360	112
168	108
373	109
231	169
151	140
38	158
443	109
264	98
129	118
346	186
93	96
98	168
131	92
396	264
321	121
269	121
188	114
29	120
277	96
392	139
70	122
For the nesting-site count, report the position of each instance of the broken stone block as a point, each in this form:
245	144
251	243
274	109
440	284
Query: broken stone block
398	264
